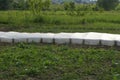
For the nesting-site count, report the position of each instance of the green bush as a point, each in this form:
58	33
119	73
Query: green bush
108	4
84	21
117	8
39	19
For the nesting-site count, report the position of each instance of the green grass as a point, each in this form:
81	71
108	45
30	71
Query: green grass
60	22
58	62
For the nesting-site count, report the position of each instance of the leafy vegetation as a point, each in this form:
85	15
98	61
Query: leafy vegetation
58	62
108	4
60	21
5	4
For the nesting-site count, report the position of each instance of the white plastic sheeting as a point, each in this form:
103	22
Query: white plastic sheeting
8	37
21	37
117	40
108	39
62	38
34	38
88	38
47	38
92	38
78	38
2	33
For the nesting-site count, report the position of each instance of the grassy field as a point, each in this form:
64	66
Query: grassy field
60	22
59	62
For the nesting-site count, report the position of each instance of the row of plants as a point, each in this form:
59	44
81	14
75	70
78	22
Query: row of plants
59	21
58	17
53	62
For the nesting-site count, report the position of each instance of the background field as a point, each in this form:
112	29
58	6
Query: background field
59	21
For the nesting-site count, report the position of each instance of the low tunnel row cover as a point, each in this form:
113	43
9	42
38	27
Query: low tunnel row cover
62	38
88	38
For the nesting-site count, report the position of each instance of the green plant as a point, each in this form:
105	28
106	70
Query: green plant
5	4
39	19
46	4
66	6
36	6
108	4
117	8
58	62
84	21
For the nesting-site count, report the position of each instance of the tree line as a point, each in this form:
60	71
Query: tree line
45	4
